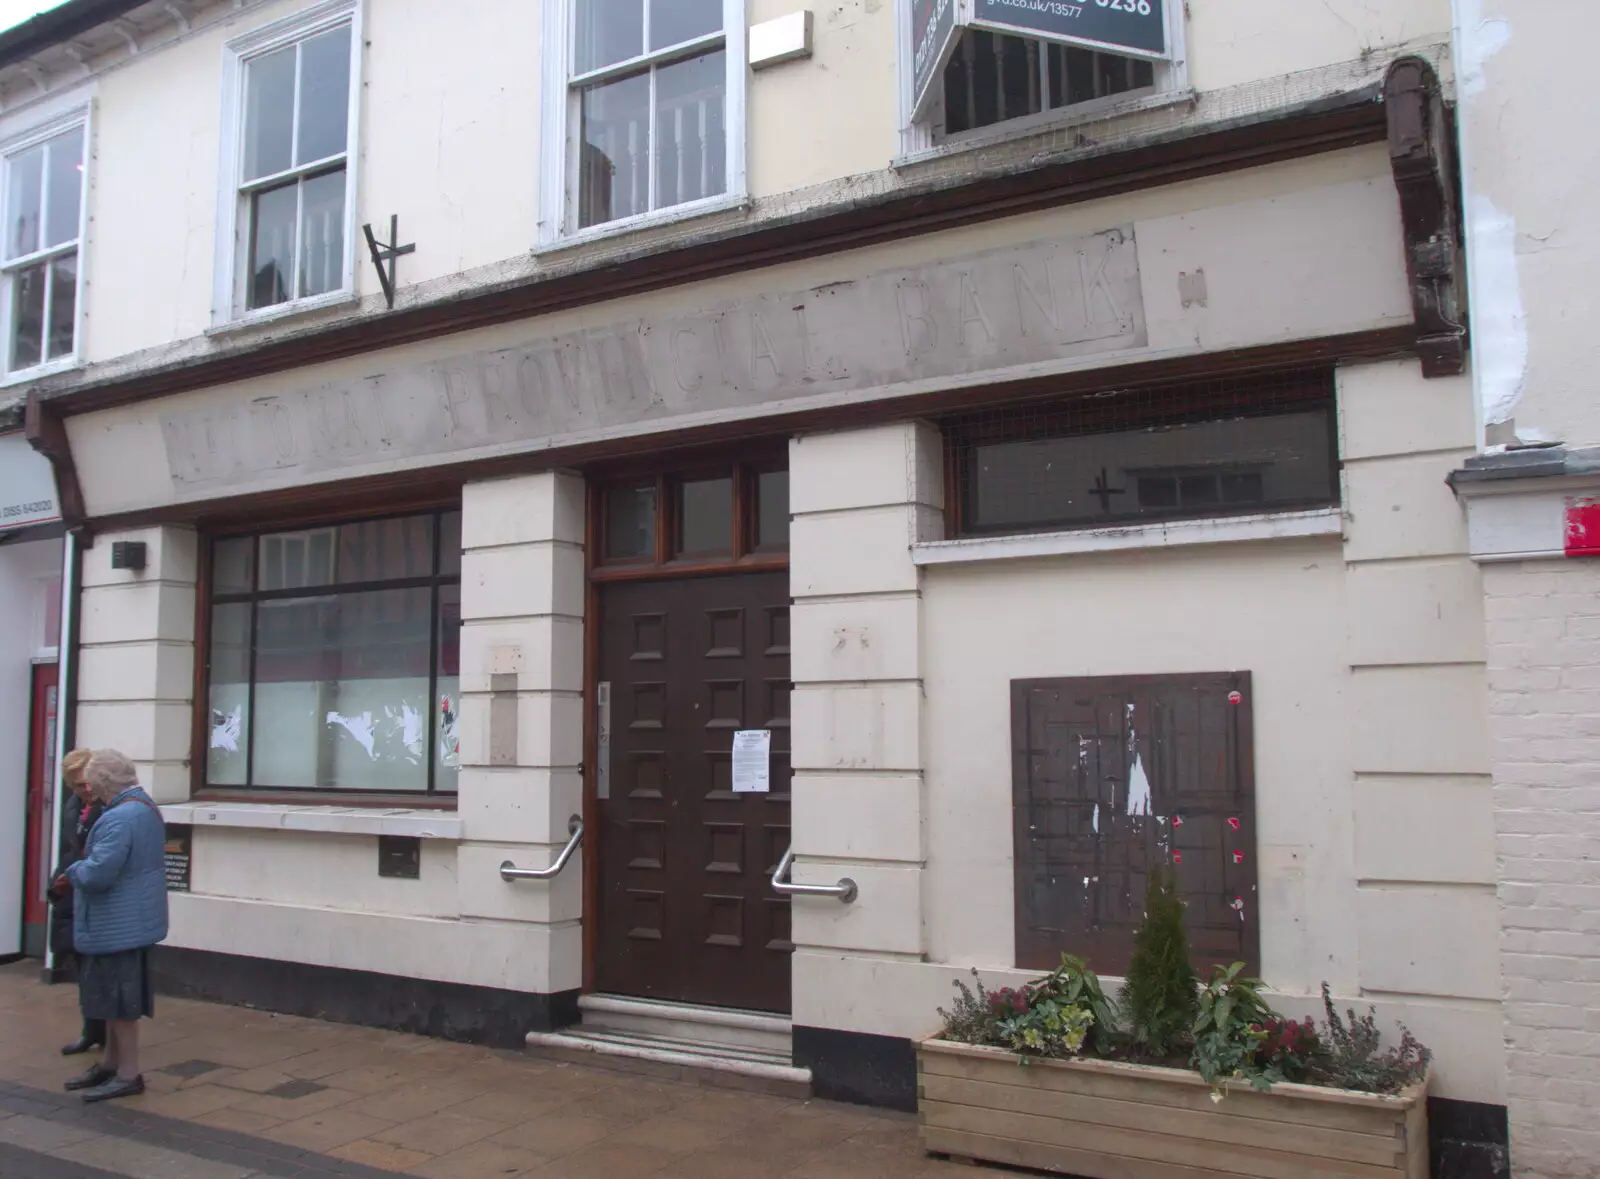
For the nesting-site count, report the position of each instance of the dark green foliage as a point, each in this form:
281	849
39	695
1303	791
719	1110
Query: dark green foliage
1048	1017
1075	983
1230	1030
1158	997
1355	1057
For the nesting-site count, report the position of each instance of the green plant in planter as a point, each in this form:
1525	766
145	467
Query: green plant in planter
1074	983
1050	1016
1230	1030
1047	1027
1158	996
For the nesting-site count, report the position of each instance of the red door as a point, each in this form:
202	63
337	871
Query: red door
41	797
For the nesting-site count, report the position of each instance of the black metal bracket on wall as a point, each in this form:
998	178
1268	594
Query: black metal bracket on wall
385	255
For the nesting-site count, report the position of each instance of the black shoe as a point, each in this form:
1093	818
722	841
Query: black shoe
115	1087
81	1045
97	1075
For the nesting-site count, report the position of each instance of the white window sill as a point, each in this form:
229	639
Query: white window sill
1165	535
282	311
627	225
39	371
1013	130
340	820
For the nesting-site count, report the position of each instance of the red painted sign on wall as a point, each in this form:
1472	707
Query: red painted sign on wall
1583	527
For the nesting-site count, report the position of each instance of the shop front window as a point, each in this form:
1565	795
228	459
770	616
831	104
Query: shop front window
333	658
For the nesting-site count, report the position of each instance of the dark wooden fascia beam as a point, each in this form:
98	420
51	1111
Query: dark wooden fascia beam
1424	166
47	434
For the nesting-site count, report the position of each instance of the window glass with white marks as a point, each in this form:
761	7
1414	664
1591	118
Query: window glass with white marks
333	657
293	170
43	218
649	86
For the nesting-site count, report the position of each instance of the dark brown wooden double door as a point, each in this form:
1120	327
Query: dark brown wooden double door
687	910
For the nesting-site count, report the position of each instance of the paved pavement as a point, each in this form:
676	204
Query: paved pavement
239	1094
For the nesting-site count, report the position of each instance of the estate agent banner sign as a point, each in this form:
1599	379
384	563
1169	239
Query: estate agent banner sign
1134	27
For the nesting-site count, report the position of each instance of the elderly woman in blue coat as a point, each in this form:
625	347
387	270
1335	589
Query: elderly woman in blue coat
119	913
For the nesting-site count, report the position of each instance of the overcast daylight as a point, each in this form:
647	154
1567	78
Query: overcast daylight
14	12
675	588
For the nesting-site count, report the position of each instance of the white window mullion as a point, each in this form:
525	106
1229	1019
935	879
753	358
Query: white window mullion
568	216
650	143
44	197
8	311
294	109
44	311
295	241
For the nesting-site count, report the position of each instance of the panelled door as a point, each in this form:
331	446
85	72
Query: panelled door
687	910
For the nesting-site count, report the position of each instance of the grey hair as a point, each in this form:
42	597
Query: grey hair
109	773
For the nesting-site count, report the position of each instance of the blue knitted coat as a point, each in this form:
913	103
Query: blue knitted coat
120	885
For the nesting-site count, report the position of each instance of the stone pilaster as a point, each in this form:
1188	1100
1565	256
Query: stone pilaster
859	501
136	656
522	593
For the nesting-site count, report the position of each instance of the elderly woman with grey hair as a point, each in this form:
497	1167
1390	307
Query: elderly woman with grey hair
119	913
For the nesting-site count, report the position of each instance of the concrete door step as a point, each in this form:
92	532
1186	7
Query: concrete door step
757	1030
677	1059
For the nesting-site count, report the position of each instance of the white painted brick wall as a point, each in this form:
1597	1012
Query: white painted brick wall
1543	627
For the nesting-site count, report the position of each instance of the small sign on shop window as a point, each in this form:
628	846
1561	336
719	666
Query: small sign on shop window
752	761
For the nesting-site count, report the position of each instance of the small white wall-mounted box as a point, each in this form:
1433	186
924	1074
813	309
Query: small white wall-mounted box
785	38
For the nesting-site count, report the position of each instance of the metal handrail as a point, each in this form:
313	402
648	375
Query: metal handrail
509	871
845	890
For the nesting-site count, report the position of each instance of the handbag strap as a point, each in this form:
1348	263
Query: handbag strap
139	798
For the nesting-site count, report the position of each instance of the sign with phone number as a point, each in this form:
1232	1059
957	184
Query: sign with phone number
27	485
1136	27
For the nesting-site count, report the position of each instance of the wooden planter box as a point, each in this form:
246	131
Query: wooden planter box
1107	1120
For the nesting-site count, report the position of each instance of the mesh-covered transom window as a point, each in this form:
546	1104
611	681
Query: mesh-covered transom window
1228	446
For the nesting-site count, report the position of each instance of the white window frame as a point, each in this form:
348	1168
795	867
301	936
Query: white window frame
917	140
80	116
229	291
558	130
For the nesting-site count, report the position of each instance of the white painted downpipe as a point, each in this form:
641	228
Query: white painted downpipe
66	667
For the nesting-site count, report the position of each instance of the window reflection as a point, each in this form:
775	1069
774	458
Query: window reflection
315	686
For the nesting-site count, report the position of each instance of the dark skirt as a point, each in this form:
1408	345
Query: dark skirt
116	986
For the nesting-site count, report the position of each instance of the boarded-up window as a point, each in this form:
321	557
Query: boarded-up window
1115	777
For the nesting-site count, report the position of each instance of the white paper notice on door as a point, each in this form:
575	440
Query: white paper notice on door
752	760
